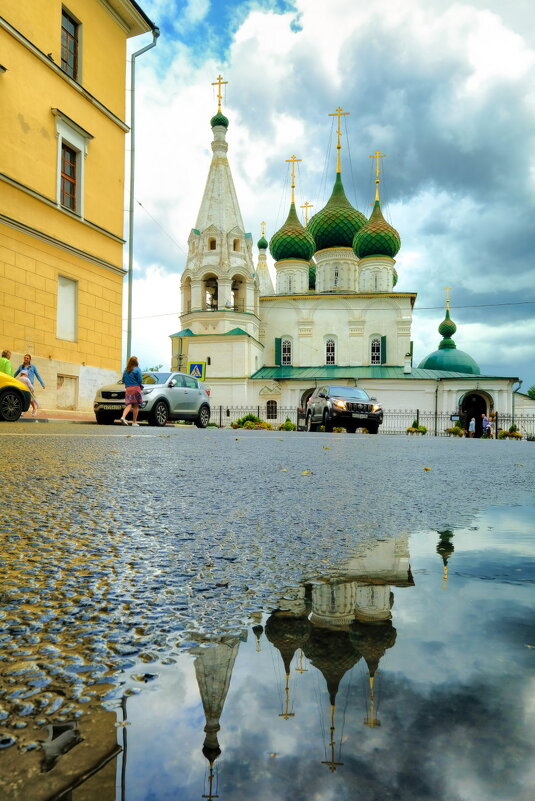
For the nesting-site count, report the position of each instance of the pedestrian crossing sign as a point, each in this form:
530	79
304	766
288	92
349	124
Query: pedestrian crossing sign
197	370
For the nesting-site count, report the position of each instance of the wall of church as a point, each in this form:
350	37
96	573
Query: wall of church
350	321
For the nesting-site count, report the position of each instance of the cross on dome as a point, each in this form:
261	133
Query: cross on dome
219	83
294	160
377	155
339	113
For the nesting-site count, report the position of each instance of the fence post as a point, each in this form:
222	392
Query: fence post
417	417
220	417
495	425
258	408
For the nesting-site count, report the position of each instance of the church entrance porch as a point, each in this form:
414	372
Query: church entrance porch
475	404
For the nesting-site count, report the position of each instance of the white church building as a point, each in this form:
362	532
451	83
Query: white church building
333	316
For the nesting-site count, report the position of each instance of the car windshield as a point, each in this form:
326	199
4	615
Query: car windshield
151	378
349	392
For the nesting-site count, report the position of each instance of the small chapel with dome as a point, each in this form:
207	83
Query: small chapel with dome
334	314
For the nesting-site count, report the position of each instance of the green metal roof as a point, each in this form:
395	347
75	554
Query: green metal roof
186	332
331	372
235	332
377	237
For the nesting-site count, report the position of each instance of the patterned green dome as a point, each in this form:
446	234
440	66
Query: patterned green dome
377	237
219	119
262	243
292	241
337	223
447	357
395	276
447	328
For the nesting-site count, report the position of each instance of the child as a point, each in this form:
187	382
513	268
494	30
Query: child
23	377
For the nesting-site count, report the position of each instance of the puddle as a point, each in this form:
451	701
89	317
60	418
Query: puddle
408	675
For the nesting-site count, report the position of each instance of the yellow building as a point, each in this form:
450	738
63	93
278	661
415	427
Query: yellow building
62	128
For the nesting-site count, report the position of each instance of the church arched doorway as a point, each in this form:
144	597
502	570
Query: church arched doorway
474	404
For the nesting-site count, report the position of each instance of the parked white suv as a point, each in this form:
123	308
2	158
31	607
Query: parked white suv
166	396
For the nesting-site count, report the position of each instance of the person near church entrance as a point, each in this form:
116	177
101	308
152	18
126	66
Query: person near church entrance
31	370
5	364
485	424
133	384
472	427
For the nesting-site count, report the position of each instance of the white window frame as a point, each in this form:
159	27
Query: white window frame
74	136
375	355
286	351
330	354
67	330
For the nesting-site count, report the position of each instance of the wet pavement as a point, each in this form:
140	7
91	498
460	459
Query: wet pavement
232	614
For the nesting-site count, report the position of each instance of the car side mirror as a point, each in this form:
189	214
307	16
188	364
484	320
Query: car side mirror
172	383
322	395
374	400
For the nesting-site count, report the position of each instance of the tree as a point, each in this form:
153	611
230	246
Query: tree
531	392
155	369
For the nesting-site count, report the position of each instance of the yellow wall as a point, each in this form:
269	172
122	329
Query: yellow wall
29	272
37	237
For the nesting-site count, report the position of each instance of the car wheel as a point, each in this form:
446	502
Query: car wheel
351	428
327	422
11	406
310	426
160	414
104	418
373	428
203	418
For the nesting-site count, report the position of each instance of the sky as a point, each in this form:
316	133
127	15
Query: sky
445	89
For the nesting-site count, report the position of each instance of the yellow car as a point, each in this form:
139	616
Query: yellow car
14	398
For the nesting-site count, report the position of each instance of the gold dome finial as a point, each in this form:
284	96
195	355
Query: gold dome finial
306	206
377	155
448	290
219	83
339	113
294	160
371	720
263	228
332	763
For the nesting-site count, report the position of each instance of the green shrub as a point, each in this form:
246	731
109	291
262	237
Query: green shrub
287	425
246	418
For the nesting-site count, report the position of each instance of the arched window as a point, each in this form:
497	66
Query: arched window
286	351
211	243
236	245
375	355
271	410
289	283
336	276
330	352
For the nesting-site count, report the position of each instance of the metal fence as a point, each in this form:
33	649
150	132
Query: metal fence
395	421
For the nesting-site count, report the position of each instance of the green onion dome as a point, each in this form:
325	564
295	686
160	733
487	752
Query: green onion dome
377	237
337	223
219	119
292	241
262	243
395	276
312	276
448	357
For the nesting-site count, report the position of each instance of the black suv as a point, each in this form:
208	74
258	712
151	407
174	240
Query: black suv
347	407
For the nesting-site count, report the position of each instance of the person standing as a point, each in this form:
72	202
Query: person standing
485	425
5	364
472	428
133	384
30	369
23	378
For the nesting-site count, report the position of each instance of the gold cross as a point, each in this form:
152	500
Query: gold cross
448	290
263	224
294	160
377	155
219	83
306	206
338	113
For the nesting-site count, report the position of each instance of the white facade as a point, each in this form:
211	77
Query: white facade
261	343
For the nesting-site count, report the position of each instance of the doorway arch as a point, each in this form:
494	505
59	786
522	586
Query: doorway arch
475	403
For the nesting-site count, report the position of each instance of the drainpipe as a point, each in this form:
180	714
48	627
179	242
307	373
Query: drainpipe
436	406
519	382
155	34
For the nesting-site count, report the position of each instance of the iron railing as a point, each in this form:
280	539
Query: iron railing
395	421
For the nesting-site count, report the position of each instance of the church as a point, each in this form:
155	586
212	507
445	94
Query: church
334	314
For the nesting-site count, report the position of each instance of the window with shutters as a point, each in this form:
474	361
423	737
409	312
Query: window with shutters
330	352
286	351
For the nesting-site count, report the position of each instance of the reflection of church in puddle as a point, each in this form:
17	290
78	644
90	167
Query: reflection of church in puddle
334	624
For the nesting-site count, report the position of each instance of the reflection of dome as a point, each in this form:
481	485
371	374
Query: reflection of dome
333	654
372	640
448	357
292	241
445	547
287	633
376	237
219	119
337	223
